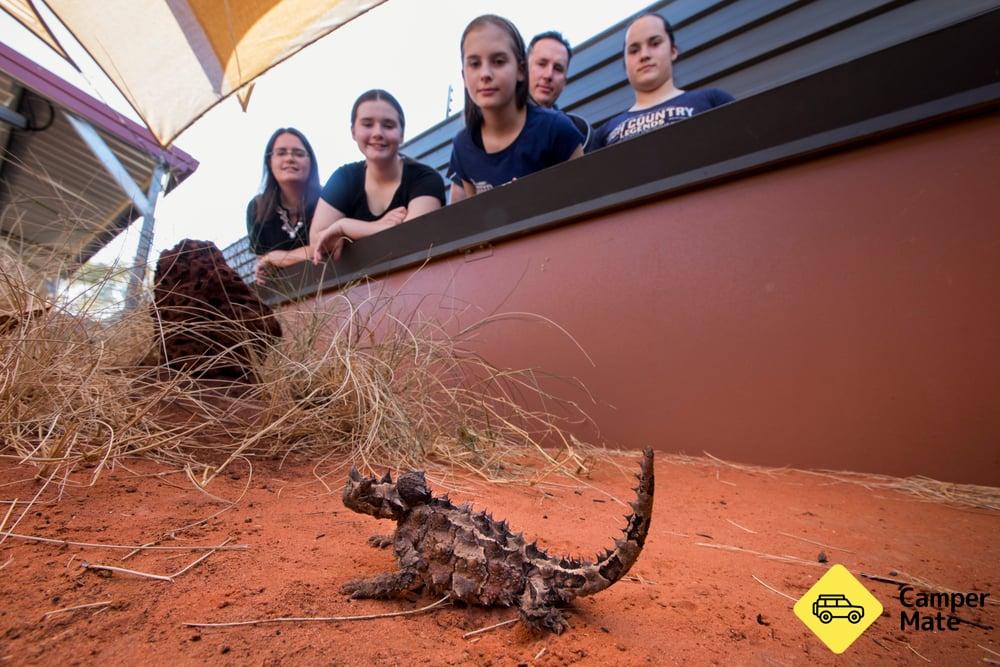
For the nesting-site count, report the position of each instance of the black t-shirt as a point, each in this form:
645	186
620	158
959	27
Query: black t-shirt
345	191
274	234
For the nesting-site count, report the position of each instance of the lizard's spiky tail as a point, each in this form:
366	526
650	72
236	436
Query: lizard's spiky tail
613	564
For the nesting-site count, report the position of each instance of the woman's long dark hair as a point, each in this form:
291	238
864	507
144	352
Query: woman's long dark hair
473	114
270	193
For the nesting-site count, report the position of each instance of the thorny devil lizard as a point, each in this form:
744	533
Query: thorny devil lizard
472	557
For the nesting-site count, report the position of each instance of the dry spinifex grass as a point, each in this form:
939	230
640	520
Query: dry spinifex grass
66	400
357	381
349	382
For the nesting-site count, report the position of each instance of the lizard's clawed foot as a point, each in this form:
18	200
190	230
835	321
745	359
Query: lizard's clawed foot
380	541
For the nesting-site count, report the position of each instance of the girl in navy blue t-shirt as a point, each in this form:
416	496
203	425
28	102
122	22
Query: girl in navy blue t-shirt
505	137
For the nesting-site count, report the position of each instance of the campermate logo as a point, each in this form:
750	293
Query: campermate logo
926	610
838	609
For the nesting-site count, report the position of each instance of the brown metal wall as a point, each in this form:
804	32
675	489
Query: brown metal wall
839	313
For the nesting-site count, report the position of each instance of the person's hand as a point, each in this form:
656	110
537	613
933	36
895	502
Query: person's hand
265	265
338	246
395	216
330	242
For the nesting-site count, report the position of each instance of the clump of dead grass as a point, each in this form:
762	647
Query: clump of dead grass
62	401
357	381
349	381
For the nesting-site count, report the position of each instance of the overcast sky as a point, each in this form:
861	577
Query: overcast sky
408	47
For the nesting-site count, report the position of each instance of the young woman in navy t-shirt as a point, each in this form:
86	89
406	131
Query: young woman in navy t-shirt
505	137
650	53
382	191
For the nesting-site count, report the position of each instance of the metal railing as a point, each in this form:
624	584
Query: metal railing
239	256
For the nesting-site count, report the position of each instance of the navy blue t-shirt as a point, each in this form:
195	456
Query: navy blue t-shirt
629	124
548	138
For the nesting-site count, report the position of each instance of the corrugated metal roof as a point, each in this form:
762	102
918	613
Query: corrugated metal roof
58	203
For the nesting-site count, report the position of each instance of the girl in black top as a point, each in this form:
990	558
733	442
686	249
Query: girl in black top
382	191
278	218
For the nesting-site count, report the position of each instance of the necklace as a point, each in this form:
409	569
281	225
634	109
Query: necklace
290	222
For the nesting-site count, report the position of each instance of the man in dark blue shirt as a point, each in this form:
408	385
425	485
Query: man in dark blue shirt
549	54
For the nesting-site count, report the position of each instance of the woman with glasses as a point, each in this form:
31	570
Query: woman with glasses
383	190
278	218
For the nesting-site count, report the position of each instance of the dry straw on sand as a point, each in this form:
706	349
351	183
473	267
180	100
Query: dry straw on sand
348	382
921	487
359	379
65	399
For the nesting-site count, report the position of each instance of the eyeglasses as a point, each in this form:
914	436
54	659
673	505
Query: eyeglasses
285	152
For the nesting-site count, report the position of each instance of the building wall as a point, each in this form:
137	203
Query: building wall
836	313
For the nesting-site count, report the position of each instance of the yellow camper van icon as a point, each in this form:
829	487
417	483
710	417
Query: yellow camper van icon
835	605
838	608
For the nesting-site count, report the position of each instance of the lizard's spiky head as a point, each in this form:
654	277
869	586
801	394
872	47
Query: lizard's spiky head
382	498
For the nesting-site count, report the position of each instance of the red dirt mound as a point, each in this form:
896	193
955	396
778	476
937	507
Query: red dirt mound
209	321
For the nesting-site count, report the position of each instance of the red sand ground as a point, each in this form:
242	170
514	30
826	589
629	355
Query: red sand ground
690	605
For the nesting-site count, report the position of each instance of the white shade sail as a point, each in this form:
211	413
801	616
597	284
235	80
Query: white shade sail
26	14
173	60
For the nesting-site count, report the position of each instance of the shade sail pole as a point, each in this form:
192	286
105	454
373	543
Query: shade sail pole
145	202
145	239
109	161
